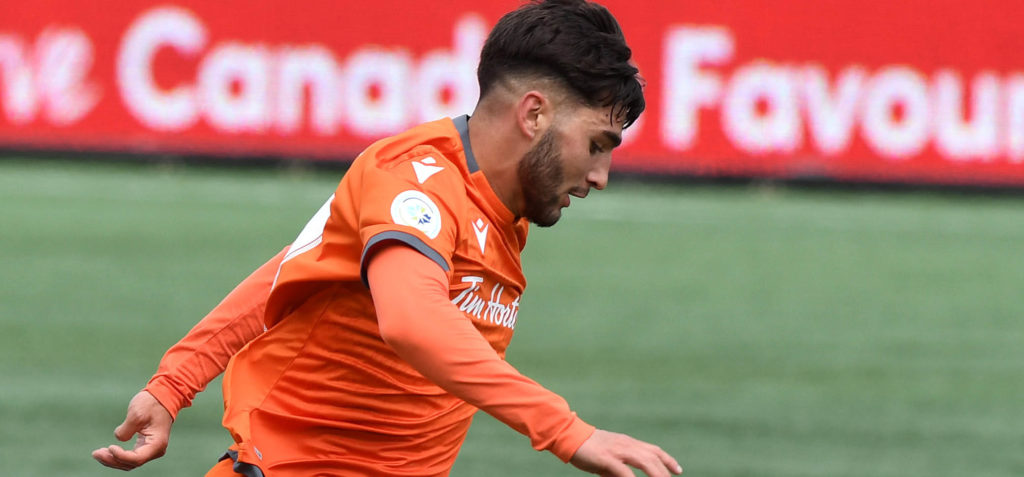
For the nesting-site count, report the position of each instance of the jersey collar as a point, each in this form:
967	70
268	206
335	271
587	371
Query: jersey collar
478	177
462	126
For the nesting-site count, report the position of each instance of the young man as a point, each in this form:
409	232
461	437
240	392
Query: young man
366	346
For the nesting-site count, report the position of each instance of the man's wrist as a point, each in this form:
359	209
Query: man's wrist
168	397
566	445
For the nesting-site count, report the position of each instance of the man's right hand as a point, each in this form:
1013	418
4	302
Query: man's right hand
610	455
151	421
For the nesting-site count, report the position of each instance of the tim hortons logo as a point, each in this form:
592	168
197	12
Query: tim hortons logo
492	309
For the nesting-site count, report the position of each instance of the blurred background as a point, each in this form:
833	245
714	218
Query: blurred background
808	262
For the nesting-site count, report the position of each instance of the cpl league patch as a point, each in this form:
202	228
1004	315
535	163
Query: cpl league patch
415	209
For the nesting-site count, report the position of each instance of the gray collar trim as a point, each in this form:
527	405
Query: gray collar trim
462	126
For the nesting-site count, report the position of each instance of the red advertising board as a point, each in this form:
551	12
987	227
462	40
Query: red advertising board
911	91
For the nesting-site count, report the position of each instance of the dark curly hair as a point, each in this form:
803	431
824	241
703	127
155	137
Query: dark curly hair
575	42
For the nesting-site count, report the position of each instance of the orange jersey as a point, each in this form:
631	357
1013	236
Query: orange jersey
322	393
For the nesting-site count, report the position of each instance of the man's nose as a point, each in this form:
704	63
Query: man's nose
597	178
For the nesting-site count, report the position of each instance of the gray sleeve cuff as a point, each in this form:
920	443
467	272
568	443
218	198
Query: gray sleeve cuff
409	239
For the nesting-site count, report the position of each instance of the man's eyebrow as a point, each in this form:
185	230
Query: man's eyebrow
615	139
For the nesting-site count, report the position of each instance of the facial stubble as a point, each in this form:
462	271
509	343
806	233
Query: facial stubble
540	177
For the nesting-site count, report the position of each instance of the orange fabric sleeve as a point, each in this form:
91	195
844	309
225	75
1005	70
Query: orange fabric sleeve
203	353
416	318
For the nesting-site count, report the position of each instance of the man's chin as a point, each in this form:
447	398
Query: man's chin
548	219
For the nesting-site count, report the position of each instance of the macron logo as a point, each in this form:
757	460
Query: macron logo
424	168
481	233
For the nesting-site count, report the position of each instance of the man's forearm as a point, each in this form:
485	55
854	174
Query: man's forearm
418	321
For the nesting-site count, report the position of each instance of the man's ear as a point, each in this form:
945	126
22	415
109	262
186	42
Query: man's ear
533	113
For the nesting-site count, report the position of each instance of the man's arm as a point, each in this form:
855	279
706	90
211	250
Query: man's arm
417	319
188	366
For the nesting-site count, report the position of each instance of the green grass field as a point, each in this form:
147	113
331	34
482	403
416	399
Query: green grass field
749	331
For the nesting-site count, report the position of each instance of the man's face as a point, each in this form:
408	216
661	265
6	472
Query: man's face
571	157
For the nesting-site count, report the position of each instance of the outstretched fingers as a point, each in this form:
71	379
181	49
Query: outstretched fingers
652	460
609	453
670	462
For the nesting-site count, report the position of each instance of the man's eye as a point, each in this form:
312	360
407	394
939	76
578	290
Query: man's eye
595	148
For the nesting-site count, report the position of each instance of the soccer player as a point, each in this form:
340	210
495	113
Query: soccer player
366	346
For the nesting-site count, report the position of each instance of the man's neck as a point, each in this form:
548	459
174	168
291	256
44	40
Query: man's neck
497	157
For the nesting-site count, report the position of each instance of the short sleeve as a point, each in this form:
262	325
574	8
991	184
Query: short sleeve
414	200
